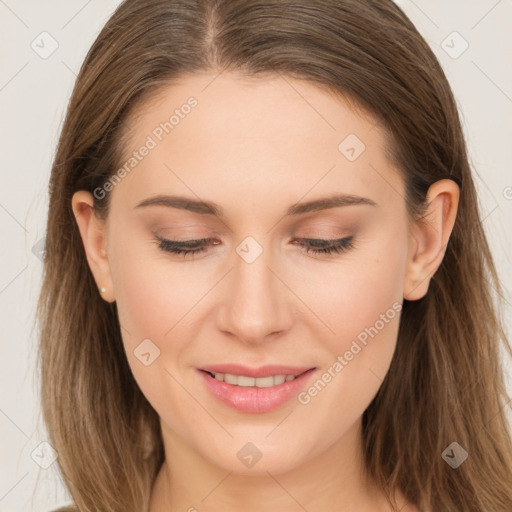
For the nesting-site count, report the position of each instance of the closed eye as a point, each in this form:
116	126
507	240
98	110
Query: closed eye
319	246
309	245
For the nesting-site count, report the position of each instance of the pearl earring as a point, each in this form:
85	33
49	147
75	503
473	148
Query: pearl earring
103	290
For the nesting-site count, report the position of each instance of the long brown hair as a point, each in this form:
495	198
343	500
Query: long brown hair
446	382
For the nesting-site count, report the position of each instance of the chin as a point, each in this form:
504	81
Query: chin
258	458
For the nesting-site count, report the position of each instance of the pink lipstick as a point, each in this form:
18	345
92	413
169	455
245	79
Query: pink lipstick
255	390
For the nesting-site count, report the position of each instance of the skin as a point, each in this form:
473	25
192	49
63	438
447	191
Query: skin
255	147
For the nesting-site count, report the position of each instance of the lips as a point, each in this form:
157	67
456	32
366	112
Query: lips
250	390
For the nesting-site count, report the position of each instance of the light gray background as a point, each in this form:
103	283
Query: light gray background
34	93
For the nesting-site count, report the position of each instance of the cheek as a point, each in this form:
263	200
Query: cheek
353	293
360	300
153	298
153	295
361	303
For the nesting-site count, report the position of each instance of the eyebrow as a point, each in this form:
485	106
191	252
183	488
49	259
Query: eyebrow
211	208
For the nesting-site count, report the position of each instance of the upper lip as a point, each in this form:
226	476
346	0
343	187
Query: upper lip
262	371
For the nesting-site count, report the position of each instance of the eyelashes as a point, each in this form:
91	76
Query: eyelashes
309	245
320	246
184	248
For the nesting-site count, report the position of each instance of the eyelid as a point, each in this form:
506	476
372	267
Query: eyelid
322	247
194	242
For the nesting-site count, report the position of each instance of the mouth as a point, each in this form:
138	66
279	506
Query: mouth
255	390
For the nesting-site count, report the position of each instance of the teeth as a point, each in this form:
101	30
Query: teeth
260	382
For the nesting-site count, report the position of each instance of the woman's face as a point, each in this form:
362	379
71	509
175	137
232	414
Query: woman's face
255	297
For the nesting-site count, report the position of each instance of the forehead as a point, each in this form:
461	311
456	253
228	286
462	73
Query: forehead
251	109
265	138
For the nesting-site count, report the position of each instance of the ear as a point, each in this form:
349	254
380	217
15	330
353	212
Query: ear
93	234
429	237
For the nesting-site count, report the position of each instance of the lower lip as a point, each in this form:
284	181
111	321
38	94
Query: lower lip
253	399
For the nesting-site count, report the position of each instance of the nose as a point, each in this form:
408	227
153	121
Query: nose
256	304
